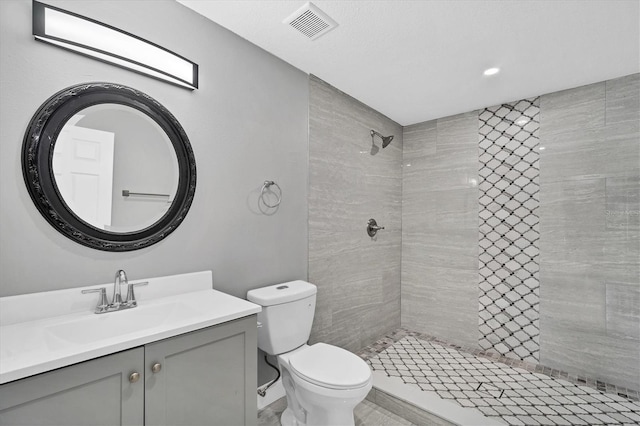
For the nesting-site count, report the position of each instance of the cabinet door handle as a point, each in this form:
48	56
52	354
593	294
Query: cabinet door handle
156	367
134	377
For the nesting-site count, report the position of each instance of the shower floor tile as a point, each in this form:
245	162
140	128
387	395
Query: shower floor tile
501	392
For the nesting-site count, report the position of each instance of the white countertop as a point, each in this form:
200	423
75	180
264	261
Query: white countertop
43	331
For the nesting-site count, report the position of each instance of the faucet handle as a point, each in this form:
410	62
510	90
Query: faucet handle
131	296
103	303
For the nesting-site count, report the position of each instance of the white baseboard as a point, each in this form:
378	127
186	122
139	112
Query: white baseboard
274	393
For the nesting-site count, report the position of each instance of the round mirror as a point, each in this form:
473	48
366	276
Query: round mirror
115	168
108	166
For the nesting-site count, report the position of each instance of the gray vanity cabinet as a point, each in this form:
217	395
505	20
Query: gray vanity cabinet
205	377
96	392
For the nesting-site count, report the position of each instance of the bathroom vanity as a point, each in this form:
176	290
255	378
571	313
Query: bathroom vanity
179	358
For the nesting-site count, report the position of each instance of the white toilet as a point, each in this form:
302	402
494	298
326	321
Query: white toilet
323	383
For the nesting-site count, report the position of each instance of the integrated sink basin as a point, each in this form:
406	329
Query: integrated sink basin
95	328
43	331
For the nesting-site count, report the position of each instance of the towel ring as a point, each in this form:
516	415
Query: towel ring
265	187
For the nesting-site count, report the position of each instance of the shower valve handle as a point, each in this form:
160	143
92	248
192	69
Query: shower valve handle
373	228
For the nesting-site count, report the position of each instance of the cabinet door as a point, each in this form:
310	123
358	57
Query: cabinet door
96	392
207	377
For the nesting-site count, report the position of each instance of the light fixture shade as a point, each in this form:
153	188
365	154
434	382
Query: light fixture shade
108	44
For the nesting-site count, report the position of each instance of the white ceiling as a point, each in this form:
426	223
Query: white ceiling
423	59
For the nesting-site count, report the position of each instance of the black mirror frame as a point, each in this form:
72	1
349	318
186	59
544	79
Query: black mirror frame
37	156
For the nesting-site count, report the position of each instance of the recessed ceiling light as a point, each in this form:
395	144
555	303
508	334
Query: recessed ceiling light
491	71
541	148
522	121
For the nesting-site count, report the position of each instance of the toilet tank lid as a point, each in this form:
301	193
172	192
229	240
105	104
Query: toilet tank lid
281	293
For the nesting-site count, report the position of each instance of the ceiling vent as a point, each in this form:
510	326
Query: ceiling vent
310	21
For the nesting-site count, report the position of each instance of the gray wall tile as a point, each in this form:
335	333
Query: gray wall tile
607	358
623	99
457	133
419	139
441	171
590	153
358	277
440	301
572	294
579	108
590	232
450	210
440	228
623	309
622	208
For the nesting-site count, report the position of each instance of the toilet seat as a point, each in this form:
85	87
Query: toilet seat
330	367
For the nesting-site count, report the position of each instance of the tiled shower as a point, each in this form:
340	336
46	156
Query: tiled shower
513	229
509	172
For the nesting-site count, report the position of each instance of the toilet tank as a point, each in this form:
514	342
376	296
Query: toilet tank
286	317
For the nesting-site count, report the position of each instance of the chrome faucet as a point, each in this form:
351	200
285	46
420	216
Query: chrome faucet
116	301
121	278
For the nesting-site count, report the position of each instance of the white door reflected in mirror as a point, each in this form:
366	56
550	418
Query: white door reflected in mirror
106	149
83	169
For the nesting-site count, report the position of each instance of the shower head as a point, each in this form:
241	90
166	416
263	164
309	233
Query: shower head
386	140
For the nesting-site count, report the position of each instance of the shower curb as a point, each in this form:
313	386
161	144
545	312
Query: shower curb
404	409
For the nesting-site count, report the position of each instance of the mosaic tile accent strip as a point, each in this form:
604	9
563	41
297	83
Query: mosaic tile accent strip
513	395
394	336
508	281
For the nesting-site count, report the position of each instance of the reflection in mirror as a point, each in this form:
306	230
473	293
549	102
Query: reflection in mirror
106	151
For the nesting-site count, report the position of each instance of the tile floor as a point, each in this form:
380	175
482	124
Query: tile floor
366	414
392	337
503	392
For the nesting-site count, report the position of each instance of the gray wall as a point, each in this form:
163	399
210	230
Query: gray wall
590	230
440	228
247	123
358	278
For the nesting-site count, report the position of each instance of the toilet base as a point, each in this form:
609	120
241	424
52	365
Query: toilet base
289	419
310	405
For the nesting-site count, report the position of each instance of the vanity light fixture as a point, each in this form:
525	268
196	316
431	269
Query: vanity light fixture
109	44
491	71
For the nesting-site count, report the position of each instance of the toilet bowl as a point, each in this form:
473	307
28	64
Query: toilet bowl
323	383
